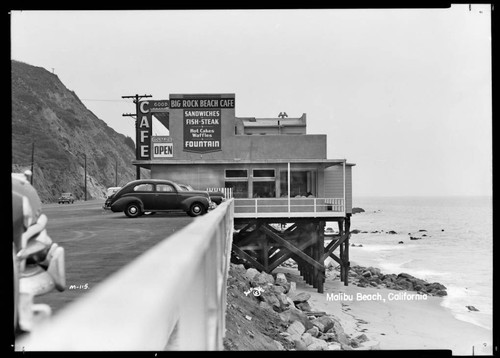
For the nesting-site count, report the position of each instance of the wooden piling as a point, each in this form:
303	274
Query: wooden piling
341	249
346	253
321	252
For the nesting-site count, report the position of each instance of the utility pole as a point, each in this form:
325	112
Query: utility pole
136	101
32	160
116	171
85	156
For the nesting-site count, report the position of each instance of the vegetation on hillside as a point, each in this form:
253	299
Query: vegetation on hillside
65	135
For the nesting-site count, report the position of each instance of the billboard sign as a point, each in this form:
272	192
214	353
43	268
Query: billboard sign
202	130
202	103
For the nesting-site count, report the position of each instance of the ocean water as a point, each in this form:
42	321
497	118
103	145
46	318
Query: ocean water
457	250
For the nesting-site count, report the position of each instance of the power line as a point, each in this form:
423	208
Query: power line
103	100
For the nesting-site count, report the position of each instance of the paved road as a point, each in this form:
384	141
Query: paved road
98	242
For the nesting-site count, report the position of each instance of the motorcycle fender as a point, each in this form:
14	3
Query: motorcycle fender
56	267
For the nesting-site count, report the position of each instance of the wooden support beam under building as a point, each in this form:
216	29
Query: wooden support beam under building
262	245
248	258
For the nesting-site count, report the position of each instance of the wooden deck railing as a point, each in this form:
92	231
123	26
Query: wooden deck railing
228	192
284	207
173	297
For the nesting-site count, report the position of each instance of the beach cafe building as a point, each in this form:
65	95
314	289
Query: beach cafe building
284	187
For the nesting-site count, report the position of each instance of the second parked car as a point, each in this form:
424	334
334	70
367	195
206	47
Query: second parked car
152	195
67	198
216	196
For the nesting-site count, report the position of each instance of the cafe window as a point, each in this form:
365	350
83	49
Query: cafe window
263	173
240	188
236	173
264	189
302	183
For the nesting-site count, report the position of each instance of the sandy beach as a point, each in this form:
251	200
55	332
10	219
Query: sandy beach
398	320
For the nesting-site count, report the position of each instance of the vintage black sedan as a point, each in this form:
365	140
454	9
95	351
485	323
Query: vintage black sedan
152	195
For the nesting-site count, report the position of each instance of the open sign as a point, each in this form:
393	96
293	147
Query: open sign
163	150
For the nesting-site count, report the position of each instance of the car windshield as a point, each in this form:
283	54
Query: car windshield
186	187
66	194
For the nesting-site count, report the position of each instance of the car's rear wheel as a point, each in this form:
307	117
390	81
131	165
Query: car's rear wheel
196	209
133	210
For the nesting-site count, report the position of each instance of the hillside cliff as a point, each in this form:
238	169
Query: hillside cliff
64	131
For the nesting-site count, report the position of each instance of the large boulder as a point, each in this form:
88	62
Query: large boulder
280	279
439	293
299	345
435	286
389	277
278	345
366	274
251	273
277	289
334	347
271	299
283	300
304	306
317	345
293	314
374	271
290	302
318	324
292	290
266	306
296	328
313	331
406	276
307	338
262	279
301	297
324	323
291	337
404	284
362	338
339	334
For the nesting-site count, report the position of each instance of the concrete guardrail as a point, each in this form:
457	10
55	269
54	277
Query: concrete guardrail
172	297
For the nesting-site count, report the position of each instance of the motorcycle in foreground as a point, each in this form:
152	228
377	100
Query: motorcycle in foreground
38	262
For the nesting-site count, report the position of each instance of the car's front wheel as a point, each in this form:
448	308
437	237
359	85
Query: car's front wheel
133	210
196	209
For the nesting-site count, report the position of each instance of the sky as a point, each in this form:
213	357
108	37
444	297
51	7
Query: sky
405	94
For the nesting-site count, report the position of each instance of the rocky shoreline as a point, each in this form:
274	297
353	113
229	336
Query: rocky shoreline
291	323
266	312
372	276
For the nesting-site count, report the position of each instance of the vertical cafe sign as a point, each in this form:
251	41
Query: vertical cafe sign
144	126
202	122
143	131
